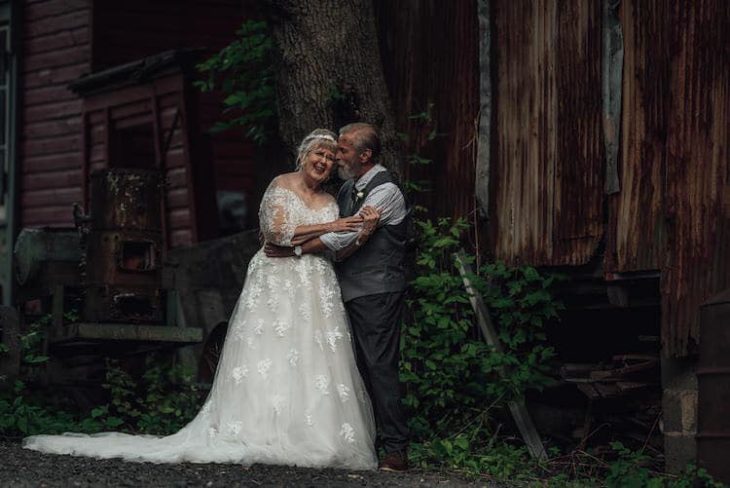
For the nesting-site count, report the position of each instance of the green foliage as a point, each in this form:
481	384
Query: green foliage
500	461
162	402
32	343
632	469
423	131
22	414
451	375
244	71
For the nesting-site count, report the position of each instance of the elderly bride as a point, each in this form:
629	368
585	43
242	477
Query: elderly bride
287	390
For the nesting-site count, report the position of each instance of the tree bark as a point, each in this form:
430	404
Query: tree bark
329	71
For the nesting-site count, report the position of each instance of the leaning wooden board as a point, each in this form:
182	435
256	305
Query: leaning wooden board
517	407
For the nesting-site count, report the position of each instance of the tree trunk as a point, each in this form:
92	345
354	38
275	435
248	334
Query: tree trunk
330	72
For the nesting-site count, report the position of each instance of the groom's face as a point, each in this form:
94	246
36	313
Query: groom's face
349	160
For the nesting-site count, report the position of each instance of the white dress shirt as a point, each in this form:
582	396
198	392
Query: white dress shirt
386	198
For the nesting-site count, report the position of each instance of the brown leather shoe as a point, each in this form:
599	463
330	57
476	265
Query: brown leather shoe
396	461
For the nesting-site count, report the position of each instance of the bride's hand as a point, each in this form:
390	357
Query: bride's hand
347	224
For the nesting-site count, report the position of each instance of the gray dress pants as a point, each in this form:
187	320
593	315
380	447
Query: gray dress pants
375	321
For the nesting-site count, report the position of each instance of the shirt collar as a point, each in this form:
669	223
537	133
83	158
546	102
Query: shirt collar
363	181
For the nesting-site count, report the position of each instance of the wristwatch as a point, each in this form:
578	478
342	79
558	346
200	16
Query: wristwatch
298	251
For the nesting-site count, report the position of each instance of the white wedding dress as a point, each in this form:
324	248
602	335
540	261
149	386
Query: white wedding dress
287	390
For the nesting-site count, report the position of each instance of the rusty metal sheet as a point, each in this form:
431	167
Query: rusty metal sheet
697	260
484	147
713	378
636	235
612	57
548	164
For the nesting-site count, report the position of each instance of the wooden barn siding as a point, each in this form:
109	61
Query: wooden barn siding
172	24
429	52
547	178
56	47
697	261
636	214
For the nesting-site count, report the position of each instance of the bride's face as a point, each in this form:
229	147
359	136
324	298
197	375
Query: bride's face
318	164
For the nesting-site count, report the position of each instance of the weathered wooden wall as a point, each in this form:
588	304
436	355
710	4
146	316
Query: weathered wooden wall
547	159
56	49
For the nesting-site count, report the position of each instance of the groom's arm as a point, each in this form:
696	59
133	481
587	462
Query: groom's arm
321	244
312	246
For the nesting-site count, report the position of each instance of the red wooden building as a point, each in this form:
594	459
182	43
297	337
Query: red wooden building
109	84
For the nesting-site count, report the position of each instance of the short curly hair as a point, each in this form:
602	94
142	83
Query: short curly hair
314	140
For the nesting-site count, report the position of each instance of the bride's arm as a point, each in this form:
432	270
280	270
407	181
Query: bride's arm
370	218
304	233
278	229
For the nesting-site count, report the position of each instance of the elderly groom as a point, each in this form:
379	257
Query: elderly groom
372	279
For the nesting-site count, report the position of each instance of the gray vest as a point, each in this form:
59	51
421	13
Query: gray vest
379	265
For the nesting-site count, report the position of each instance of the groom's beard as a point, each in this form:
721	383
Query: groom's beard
349	171
345	173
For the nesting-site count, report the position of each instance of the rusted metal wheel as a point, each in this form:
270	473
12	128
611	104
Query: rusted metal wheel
212	353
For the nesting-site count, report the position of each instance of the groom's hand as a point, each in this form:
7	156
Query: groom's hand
371	217
274	251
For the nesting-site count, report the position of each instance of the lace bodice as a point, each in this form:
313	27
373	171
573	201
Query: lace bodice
282	210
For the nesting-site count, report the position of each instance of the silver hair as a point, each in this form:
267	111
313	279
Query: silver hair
314	140
365	136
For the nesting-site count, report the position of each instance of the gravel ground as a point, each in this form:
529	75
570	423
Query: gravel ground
22	468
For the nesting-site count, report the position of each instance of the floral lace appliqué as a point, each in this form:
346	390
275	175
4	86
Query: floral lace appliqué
322	383
333	335
293	357
239	373
347	432
263	367
344	392
280	328
278	404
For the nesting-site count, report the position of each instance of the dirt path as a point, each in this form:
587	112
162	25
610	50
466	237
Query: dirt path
23	468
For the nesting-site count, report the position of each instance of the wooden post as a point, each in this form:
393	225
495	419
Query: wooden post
57	305
517	407
485	107
612	61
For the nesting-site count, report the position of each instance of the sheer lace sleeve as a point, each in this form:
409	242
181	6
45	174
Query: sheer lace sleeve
274	216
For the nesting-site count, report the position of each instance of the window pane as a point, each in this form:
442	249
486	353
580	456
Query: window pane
133	147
